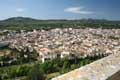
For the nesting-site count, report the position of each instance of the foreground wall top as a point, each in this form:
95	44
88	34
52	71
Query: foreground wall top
98	70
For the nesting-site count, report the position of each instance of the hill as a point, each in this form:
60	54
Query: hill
18	23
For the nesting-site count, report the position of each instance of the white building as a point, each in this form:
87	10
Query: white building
45	54
67	54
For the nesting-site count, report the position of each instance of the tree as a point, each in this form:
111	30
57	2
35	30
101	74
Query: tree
36	73
65	67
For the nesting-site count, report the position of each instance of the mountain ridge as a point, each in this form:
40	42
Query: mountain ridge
19	18
18	23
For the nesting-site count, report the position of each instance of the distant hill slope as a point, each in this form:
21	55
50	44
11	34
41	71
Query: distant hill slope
18	19
18	23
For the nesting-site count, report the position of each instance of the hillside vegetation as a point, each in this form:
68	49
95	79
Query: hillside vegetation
23	23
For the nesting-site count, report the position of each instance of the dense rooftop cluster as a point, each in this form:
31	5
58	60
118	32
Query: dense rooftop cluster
66	42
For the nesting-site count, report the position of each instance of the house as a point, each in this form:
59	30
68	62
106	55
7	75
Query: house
45	54
67	54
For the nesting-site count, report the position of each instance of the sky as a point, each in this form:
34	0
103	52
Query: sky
61	9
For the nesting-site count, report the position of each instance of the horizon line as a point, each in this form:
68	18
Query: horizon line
60	18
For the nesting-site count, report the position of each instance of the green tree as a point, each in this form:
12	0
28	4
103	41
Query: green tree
36	73
66	66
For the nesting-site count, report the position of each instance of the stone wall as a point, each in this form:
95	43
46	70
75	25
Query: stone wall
98	70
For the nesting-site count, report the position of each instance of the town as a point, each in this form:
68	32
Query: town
59	39
68	42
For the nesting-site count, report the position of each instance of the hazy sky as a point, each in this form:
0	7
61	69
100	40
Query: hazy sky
61	9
